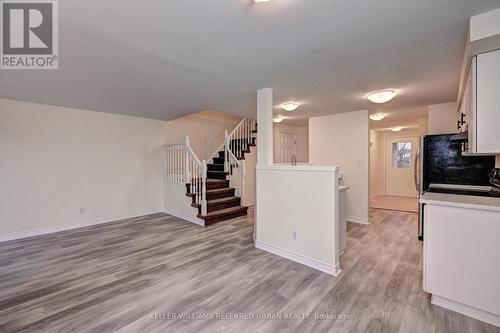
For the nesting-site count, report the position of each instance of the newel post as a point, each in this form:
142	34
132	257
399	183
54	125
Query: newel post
204	188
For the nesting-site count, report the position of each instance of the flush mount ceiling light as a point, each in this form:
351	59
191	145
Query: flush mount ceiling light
382	96
396	129
377	116
278	119
290	106
259	1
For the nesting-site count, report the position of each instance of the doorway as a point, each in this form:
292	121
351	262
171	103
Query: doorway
392	170
400	166
287	146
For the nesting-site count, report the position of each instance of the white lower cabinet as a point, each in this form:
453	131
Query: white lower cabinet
462	260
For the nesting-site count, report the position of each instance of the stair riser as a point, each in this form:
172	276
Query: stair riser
218	160
216	175
211	196
225	217
215	167
223	205
211	186
225	184
225	194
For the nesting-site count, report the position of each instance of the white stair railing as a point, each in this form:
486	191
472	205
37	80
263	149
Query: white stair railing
182	166
235	143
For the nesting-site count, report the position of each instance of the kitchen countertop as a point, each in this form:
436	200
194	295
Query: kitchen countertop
463	201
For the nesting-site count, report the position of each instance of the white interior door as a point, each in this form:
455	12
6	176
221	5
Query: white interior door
287	146
399	166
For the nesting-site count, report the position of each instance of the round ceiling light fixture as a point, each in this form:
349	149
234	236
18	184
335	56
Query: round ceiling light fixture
377	116
396	129
382	96
259	1
278	119
290	106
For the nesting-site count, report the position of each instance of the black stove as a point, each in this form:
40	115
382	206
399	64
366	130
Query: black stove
478	191
491	193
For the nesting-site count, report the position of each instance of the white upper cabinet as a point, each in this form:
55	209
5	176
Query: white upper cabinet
481	104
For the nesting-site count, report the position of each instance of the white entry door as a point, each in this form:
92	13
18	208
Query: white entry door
287	147
399	166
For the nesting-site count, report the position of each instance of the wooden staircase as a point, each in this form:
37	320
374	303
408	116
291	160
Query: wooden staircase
222	204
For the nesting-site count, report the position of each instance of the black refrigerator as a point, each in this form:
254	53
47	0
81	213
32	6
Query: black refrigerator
440	161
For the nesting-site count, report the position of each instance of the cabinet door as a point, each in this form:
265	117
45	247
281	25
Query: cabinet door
472	112
488	103
464	112
461	252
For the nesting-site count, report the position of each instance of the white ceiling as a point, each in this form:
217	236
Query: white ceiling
163	59
406	118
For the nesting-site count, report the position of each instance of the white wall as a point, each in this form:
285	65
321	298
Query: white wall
56	161
205	130
376	153
303	144
301	200
250	176
343	140
423	126
302	137
443	118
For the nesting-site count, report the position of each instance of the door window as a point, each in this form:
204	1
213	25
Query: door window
401	155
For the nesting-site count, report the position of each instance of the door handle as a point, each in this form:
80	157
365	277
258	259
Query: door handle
415	171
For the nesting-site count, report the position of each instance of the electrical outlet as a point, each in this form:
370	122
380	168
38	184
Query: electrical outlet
82	211
294	235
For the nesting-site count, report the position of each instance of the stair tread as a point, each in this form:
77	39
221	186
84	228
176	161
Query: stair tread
216	201
212	181
222	199
215	171
216	190
224	211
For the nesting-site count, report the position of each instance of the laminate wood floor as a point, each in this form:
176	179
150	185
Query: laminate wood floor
390	202
142	274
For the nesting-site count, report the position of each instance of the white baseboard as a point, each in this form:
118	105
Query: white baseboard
487	317
310	262
185	216
357	219
64	227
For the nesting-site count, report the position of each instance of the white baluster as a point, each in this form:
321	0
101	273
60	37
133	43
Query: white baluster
247	131
198	187
238	149
200	181
179	163
226	152
204	189
166	163
169	164
242	184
